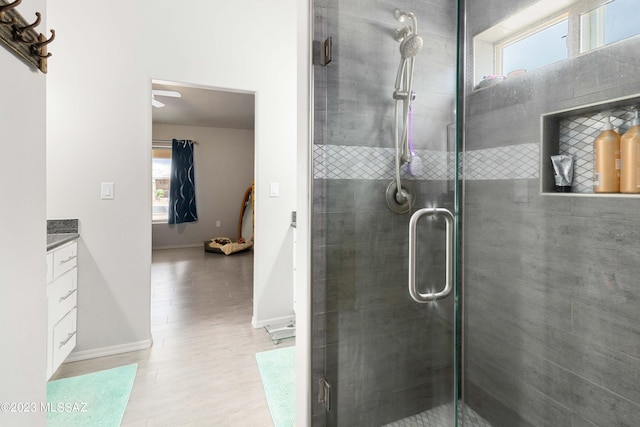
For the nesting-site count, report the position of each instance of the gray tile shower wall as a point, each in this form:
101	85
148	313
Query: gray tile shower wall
553	325
361	79
551	290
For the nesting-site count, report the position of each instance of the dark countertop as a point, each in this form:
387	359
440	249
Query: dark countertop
58	239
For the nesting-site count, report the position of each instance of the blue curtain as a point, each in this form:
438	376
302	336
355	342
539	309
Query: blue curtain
182	187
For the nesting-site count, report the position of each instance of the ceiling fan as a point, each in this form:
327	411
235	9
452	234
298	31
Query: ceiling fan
157	92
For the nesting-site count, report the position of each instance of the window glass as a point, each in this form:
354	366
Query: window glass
517	44
622	20
541	48
160	174
609	23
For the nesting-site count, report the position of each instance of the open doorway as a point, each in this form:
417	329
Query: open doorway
222	125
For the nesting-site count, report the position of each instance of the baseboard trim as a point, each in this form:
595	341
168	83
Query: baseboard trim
190	245
109	351
274	321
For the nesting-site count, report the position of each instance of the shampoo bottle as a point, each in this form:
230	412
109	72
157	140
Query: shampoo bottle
606	150
630	158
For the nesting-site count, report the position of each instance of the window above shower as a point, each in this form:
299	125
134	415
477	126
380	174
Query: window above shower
548	32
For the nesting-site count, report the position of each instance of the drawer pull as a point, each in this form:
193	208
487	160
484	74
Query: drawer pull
64	261
63	343
67	295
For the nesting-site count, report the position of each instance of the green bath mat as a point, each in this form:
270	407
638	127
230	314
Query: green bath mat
277	370
97	399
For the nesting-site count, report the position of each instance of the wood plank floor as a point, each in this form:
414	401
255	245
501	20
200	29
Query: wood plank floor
201	369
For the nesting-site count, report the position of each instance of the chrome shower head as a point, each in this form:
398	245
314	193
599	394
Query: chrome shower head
410	46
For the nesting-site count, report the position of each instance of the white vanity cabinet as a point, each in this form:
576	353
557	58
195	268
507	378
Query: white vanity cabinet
62	297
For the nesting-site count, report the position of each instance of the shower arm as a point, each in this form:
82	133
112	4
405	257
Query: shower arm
400	15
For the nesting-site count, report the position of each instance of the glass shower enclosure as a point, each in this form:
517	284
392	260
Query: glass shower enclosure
451	284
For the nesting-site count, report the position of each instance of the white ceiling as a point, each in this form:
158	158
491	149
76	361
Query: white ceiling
205	107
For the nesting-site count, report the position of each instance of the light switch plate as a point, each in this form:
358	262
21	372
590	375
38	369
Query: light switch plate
107	190
274	189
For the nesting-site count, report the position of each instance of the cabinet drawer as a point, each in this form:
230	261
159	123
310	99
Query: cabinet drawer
62	295
64	338
64	259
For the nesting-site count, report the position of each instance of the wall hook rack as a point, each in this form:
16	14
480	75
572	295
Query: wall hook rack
21	37
5	8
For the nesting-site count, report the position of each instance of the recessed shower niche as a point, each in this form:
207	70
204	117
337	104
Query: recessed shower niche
573	132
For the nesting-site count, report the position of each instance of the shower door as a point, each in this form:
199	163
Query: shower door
379	356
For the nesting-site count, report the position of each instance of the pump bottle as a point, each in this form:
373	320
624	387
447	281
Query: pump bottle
606	150
630	158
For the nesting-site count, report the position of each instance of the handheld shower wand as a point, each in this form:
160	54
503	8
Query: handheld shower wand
399	199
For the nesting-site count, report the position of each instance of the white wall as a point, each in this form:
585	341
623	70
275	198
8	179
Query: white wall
100	130
23	229
223	161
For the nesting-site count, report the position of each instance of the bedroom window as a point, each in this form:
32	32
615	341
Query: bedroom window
160	174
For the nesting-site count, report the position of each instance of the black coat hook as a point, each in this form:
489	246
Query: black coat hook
20	32
36	47
6	8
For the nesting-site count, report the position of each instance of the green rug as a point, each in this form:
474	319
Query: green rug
92	400
277	369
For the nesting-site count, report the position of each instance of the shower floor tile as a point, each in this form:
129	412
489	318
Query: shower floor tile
441	417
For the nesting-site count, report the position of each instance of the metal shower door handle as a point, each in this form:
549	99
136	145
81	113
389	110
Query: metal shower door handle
413	225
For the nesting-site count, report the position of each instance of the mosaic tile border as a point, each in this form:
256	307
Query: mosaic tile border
510	162
520	161
349	162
